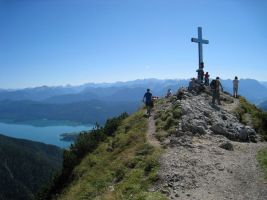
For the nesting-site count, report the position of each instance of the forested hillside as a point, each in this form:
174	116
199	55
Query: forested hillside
25	167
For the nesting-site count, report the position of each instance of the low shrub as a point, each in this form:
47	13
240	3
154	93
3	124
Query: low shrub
258	117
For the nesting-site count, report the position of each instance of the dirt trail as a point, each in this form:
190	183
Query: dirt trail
232	106
152	131
204	171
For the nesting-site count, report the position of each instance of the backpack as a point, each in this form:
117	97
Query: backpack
213	84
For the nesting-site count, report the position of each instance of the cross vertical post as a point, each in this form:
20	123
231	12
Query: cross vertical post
200	49
200	41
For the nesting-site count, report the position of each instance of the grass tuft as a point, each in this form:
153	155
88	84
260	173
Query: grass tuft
262	159
167	119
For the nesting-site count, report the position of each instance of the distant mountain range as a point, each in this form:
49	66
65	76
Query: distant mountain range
37	93
264	83
91	91
90	103
253	90
25	167
263	105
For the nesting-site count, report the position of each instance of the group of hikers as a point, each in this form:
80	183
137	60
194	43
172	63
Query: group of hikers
215	87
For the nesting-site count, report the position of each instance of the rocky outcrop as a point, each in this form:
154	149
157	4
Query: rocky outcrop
199	116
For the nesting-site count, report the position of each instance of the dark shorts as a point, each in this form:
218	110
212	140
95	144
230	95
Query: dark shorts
150	103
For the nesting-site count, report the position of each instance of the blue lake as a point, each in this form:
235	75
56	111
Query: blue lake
46	134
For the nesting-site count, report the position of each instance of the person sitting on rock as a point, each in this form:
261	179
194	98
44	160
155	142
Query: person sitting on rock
192	84
180	93
169	93
215	86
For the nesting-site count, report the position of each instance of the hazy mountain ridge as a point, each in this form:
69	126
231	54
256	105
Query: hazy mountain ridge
89	91
90	103
263	105
253	90
264	83
35	94
25	167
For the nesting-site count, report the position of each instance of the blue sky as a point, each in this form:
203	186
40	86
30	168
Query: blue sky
59	42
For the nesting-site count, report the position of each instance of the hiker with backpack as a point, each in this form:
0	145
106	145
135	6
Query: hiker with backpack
215	86
235	87
147	99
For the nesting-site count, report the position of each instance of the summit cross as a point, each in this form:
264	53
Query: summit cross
200	41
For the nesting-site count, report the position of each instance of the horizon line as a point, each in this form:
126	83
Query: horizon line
114	82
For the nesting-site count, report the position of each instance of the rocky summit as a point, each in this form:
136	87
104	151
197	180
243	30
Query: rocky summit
210	154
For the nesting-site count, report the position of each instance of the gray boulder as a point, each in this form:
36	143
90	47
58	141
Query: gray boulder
219	129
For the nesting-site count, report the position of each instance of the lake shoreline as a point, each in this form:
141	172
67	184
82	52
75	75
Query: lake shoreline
44	122
49	134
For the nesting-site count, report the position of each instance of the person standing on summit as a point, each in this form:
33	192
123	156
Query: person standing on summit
235	87
147	99
200	73
207	81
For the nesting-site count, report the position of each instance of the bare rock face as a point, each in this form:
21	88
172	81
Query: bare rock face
219	129
199	116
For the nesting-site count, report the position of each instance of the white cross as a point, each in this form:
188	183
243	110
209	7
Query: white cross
200	41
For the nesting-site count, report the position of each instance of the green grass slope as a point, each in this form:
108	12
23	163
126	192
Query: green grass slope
121	166
25	167
250	114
